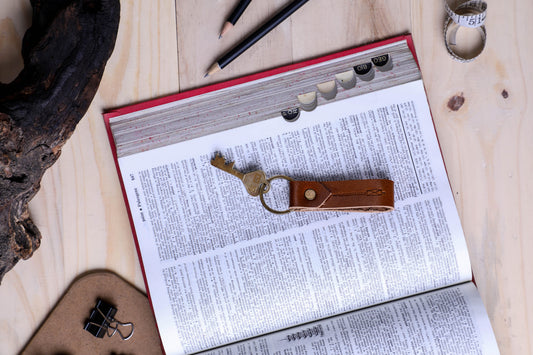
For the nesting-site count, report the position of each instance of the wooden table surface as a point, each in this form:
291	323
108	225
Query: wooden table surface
166	46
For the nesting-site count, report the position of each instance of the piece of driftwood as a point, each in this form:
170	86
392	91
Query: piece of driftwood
65	52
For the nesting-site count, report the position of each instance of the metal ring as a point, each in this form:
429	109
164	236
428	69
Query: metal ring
262	191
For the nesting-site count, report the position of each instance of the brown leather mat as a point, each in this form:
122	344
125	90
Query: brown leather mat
62	332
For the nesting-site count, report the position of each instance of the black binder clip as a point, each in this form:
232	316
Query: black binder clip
102	321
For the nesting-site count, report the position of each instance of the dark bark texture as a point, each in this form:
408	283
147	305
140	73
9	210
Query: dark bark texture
65	52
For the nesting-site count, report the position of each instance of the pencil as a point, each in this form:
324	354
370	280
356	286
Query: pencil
234	17
255	36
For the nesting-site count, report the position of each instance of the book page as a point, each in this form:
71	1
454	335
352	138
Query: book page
448	321
221	268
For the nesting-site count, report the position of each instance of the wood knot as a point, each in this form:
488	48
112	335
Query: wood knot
505	94
455	102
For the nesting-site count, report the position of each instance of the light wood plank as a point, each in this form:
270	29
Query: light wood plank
199	24
486	145
80	210
323	26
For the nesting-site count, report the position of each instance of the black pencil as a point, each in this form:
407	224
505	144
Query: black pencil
234	17
256	36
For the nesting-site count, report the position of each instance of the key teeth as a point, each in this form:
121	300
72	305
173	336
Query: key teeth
221	162
218	160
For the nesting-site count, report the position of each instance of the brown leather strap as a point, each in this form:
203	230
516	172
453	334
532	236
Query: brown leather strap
375	195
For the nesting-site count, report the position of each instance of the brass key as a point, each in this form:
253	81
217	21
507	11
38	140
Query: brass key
253	181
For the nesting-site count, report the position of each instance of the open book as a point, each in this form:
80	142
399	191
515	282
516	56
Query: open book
226	276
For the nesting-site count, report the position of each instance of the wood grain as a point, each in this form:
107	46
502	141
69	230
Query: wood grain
485	143
80	210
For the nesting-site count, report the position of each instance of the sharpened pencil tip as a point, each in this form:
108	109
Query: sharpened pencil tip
220	36
227	26
212	69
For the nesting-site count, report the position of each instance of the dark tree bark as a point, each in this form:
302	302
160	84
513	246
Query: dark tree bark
65	52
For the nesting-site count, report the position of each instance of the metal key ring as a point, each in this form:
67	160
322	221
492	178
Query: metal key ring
263	190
